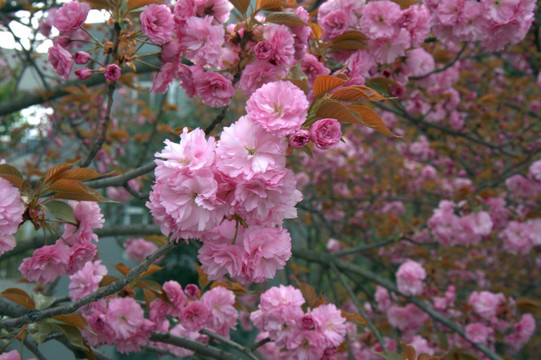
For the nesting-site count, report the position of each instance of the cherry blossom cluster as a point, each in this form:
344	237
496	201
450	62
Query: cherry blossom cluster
241	178
494	23
11	214
296	334
491	315
72	251
69	20
121	321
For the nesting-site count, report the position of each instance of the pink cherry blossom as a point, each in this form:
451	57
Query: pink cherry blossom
326	133
201	41
334	24
223	315
246	150
139	249
86	280
11	214
71	16
523	330
332	324
282	44
477	332
112	72
83	73
88	216
163	78
61	60
47	263
485	303
157	23
258	73
124	316
279	107
80	254
380	19
81	57
214	89
220	9
409	278
299	138
266	250
192	290
195	315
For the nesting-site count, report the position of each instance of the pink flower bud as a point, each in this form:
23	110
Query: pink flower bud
263	50
299	138
308	321
112	72
192	290
326	133
83	73
81	57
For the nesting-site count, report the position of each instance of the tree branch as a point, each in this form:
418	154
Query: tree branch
344	266
443	68
104	126
359	307
37	315
39	97
195	346
245	350
119	180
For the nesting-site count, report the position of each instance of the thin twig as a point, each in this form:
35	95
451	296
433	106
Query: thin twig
245	350
443	68
104	126
218	119
33	347
353	297
344	266
37	315
120	180
260	343
195	346
367	247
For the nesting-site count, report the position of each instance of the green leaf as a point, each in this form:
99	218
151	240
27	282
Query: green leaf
19	296
73	319
285	18
241	5
43	302
6	169
325	83
39	331
61	211
308	151
389	355
72	333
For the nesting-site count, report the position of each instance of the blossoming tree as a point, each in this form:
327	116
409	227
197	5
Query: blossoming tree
359	179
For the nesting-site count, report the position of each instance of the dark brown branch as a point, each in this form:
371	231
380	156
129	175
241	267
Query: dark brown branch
36	98
195	346
347	267
419	121
104	126
359	307
218	119
245	350
443	68
37	315
120	180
